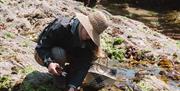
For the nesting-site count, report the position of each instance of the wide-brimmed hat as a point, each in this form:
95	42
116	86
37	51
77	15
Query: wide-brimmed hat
94	23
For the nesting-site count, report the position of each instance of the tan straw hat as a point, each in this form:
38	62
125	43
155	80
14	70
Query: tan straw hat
94	23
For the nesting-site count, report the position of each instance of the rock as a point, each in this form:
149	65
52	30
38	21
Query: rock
152	83
23	25
166	63
5	68
9	19
142	47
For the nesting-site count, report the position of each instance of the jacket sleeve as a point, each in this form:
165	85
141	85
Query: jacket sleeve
48	39
78	70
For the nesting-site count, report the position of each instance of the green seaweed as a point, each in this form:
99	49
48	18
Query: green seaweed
8	35
178	44
144	86
5	82
118	41
113	52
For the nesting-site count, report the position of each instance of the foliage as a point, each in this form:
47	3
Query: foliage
26	70
111	50
5	82
144	86
2	49
118	41
117	54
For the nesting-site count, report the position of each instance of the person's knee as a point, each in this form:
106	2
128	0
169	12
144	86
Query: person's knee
59	54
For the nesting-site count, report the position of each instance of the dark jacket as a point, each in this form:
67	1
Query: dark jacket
63	32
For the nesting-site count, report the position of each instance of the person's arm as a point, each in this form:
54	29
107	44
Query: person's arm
78	73
52	34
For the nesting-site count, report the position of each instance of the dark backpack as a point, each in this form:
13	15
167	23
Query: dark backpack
60	21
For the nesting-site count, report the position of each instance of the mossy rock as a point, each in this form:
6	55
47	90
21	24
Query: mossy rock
5	82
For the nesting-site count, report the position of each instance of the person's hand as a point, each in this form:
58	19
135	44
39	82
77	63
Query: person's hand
54	69
72	89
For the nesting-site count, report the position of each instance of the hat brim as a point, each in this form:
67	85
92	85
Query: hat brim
84	20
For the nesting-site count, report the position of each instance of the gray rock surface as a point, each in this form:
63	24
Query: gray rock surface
22	20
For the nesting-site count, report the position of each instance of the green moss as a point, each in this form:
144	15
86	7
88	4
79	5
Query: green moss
145	86
25	43
178	44
108	45
2	49
2	20
117	54
25	70
1	1
8	35
118	41
5	82
4	1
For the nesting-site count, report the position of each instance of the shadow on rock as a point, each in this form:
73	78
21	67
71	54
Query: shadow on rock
36	81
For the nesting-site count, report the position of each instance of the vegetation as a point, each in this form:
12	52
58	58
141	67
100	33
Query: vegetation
118	41
178	44
3	1
25	43
144	86
8	35
112	51
5	82
2	20
140	62
26	70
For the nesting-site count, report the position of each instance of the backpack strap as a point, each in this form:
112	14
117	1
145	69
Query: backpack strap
74	23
